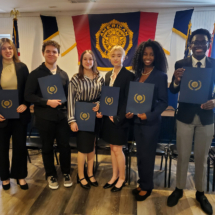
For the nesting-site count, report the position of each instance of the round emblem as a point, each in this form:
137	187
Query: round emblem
6	103
84	115
194	84
139	98
52	89
111	34
109	100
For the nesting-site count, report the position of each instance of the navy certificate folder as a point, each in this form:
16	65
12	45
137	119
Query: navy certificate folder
195	85
51	87
109	101
85	116
9	102
139	97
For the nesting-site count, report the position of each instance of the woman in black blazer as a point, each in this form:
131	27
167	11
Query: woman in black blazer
150	66
13	76
115	128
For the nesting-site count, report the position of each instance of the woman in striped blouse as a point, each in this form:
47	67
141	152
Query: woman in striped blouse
85	86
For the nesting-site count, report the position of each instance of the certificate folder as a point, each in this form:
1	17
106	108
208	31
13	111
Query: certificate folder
195	85
52	88
109	101
85	116
139	97
9	102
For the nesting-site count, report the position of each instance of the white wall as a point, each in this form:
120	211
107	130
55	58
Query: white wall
31	38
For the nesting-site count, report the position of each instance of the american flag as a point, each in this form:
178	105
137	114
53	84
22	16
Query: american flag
16	35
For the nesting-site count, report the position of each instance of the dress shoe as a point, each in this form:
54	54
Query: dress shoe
142	198
174	197
116	189
95	183
23	187
205	204
6	186
135	191
106	186
86	186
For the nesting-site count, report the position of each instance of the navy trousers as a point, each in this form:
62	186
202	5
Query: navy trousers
146	137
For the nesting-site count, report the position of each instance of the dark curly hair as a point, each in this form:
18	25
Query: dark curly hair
200	31
160	61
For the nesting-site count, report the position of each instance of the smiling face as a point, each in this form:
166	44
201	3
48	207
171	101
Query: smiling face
148	56
7	51
117	58
50	54
87	61
199	46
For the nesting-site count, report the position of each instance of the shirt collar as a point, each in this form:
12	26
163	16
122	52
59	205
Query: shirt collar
195	61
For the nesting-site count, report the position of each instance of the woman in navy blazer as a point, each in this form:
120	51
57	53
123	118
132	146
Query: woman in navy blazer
150	66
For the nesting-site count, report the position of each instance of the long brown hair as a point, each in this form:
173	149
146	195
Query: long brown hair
15	55
81	68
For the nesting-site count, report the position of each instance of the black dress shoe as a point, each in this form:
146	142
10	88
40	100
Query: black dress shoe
23	187
116	189
95	183
174	197
142	198
106	186
135	191
205	204
86	186
6	186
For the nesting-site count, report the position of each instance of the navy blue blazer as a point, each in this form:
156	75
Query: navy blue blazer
186	111
160	97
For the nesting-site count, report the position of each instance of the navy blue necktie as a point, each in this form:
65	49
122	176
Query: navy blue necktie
198	64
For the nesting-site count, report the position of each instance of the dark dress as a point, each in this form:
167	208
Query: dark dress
146	132
117	133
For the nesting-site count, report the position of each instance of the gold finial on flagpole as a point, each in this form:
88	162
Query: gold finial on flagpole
14	13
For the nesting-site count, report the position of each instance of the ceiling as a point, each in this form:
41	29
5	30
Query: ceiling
65	5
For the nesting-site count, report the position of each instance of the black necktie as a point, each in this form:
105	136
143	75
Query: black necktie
198	64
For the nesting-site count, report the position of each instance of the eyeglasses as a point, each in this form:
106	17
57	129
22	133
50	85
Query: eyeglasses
200	43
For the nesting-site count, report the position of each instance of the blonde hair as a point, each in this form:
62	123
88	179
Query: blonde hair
117	48
15	55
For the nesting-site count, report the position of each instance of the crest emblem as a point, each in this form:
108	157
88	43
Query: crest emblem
84	116
108	100
139	98
111	34
52	89
6	104
195	85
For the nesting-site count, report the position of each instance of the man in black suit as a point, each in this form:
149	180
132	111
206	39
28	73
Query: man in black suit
194	121
51	115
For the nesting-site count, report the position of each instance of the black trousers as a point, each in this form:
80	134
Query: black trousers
146	137
49	131
18	131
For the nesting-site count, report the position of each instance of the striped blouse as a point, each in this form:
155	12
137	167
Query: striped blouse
82	90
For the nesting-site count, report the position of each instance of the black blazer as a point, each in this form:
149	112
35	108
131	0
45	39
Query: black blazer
160	98
122	80
186	111
22	75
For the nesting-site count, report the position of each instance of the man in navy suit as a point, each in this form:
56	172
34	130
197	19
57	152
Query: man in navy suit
194	121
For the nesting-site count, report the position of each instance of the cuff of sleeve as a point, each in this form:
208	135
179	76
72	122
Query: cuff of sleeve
43	101
71	120
175	85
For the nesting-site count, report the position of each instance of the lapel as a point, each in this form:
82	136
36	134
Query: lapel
119	78
107	78
208	63
188	62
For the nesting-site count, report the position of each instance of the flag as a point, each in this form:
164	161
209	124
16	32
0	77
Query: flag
181	22
187	50
100	32
50	28
211	52
16	35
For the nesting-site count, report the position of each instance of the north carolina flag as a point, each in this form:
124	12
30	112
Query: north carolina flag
50	28
100	32
16	35
181	22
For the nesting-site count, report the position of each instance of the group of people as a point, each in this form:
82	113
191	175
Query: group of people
55	119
